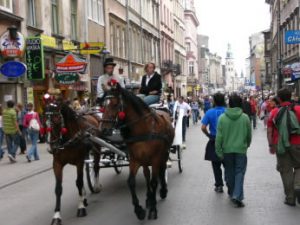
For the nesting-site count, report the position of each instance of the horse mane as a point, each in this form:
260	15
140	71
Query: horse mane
69	114
138	104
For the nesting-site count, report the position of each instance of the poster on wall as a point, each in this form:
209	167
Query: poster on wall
35	59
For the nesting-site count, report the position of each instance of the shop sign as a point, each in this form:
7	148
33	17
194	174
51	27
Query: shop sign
71	64
13	69
35	59
48	41
291	72
67	79
12	48
88	48
68	45
292	37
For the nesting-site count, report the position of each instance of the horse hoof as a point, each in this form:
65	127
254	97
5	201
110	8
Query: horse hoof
85	202
140	213
97	189
163	193
56	221
152	214
81	212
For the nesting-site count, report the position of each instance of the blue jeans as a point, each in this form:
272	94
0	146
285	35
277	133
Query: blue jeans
235	169
151	99
12	142
1	142
195	114
34	137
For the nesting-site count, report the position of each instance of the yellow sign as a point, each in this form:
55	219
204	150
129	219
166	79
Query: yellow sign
88	48
48	41
68	45
30	98
197	88
190	89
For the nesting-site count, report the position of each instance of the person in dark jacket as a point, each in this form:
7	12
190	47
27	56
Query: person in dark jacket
247	107
151	85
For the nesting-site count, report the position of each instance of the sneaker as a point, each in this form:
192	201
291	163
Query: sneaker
219	189
11	158
28	159
237	203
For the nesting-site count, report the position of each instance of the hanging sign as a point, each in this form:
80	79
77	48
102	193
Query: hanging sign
13	69
88	48
12	48
68	45
48	41
292	37
67	79
71	64
35	59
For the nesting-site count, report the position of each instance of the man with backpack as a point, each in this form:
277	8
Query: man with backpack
33	124
284	140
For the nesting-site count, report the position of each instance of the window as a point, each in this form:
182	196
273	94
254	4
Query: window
54	10
74	19
31	13
112	46
6	5
188	46
191	68
95	11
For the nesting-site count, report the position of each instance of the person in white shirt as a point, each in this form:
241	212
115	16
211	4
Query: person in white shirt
102	85
181	104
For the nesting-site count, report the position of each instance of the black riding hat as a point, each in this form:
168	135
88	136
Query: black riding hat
109	61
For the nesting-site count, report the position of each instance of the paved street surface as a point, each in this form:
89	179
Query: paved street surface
191	199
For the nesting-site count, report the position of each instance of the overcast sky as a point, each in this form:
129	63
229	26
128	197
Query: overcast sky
232	21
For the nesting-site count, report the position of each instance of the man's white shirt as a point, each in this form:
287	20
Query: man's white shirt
186	107
103	80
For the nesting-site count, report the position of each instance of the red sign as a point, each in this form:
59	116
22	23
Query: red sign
71	64
12	48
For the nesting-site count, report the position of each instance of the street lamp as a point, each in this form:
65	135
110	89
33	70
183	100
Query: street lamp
262	86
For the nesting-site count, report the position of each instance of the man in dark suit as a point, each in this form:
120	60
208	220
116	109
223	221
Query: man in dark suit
151	85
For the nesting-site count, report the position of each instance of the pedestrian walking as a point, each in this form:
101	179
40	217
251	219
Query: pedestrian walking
195	111
11	130
20	117
232	141
187	109
207	104
1	134
33	124
247	107
284	141
253	104
210	120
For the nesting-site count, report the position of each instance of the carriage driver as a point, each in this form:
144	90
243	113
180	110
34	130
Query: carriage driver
151	85
102	85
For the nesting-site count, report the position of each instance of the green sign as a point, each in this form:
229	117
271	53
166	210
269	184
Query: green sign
67	78
35	59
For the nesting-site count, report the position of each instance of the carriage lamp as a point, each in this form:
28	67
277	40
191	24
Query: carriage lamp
63	130
121	115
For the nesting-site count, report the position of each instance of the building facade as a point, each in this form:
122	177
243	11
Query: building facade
230	70
191	43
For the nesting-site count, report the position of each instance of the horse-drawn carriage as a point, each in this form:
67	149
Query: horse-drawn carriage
129	133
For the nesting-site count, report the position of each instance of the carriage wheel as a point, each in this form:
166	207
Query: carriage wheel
179	158
90	174
118	164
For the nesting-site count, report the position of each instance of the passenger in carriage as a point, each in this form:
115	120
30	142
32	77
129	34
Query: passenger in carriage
151	85
102	85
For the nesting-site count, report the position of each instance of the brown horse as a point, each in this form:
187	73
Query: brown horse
148	135
68	145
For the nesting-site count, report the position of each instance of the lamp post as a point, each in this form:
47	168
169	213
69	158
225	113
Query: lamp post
262	85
